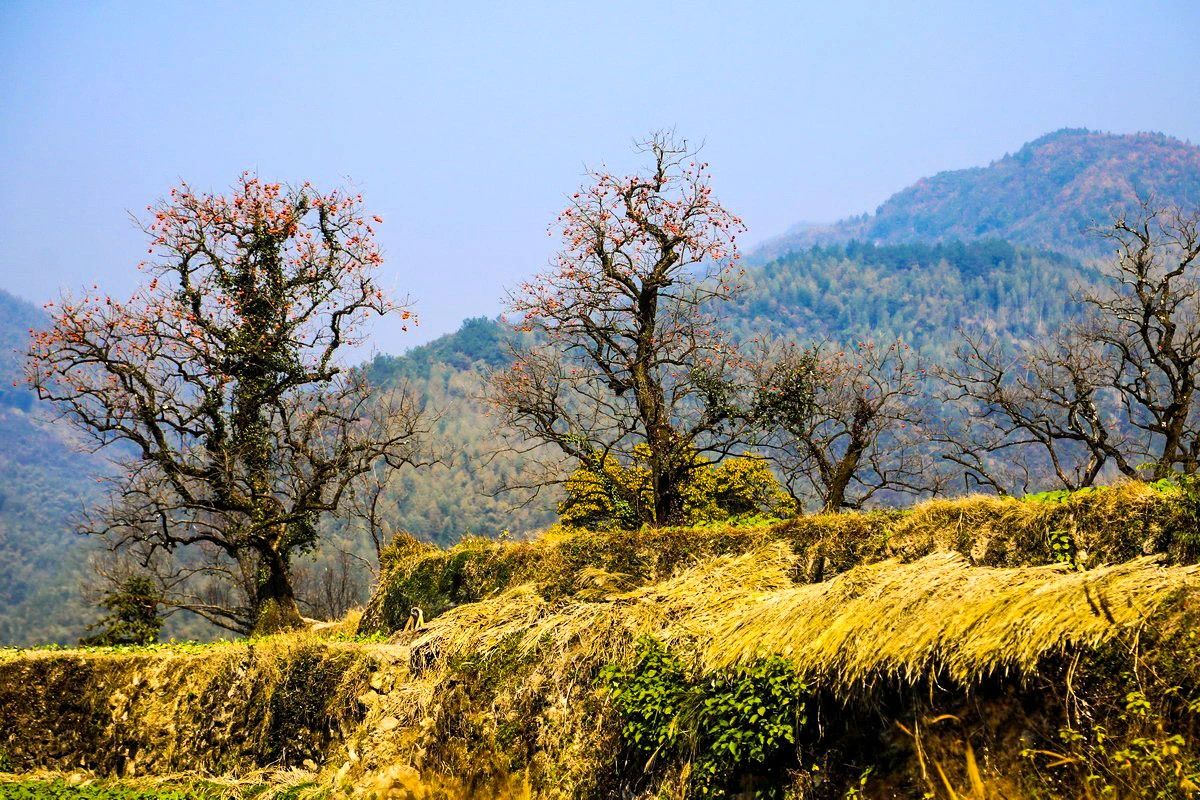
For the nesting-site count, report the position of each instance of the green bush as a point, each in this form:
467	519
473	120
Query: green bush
609	495
133	617
61	790
737	729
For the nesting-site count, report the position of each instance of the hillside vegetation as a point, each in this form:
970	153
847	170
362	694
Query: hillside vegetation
979	647
45	480
1047	194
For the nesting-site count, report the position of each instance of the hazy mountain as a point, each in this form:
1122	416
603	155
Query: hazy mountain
1046	195
44	480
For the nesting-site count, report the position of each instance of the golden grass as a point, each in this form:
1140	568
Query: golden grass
909	619
1116	523
892	618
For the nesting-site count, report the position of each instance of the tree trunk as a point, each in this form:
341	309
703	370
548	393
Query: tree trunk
847	466
841	476
668	499
275	608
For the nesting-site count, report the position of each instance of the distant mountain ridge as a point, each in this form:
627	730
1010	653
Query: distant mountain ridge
1045	195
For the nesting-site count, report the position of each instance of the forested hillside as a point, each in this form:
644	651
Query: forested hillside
1045	195
44	481
922	293
462	494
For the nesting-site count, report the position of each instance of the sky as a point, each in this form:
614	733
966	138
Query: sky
467	125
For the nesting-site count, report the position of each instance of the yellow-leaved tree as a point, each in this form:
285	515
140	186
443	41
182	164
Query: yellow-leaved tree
610	495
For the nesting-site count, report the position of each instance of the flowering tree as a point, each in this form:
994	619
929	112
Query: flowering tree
624	317
219	385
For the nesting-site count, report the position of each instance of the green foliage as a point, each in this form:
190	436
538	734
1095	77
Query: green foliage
1187	487
1137	738
618	497
735	490
106	790
649	696
170	646
608	496
736	729
133	616
466	573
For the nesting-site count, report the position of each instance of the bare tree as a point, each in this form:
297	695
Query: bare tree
1147	320
625	321
1013	419
845	426
328	589
220	385
371	505
1108	395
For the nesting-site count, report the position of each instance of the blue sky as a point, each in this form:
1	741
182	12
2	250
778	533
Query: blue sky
465	125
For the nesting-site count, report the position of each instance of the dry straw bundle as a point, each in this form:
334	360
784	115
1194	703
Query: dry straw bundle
894	618
909	619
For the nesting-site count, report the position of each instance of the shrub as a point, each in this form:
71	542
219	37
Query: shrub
735	730
133	616
618	497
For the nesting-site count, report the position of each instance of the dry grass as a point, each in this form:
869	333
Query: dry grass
1114	524
890	619
909	620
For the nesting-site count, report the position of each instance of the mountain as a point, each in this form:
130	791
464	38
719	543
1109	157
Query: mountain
921	292
17	317
44	480
1046	195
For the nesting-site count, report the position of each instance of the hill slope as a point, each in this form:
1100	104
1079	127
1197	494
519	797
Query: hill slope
43	481
1045	195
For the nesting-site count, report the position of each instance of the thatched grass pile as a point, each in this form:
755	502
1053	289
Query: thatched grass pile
940	615
890	620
